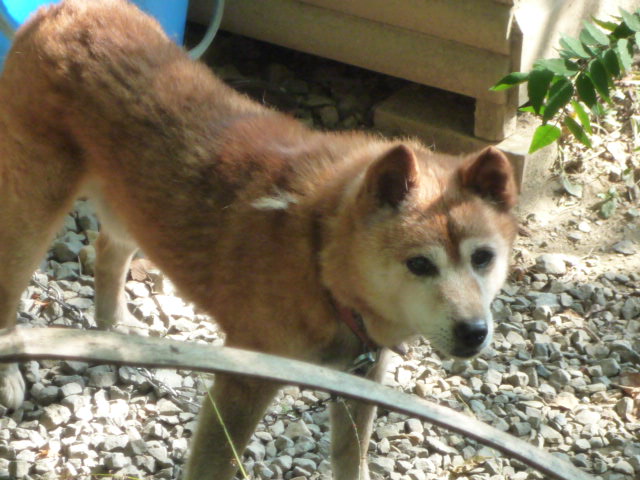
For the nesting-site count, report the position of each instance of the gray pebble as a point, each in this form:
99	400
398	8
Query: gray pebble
625	247
610	367
550	435
518	379
116	460
55	415
102	376
492	376
45	395
551	263
623	466
381	465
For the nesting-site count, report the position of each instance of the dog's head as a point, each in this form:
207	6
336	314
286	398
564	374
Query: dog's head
421	246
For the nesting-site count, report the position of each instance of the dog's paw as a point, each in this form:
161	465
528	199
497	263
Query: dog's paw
12	387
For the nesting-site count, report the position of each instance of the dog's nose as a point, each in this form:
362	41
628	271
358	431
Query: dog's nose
470	335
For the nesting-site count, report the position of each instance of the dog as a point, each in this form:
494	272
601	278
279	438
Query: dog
310	245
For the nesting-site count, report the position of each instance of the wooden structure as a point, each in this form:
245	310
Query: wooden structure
462	46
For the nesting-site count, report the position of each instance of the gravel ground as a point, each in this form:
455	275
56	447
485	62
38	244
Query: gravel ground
563	371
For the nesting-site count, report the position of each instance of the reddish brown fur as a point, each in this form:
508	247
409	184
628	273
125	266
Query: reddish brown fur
96	100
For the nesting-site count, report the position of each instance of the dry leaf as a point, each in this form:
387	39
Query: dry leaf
630	384
630	379
140	268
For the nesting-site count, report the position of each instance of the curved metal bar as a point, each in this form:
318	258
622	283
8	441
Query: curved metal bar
19	344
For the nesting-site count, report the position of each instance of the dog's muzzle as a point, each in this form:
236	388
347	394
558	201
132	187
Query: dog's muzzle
470	337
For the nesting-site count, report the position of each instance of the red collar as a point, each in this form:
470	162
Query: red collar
354	321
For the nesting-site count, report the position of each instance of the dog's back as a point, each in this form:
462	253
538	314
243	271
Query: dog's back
116	104
116	111
106	89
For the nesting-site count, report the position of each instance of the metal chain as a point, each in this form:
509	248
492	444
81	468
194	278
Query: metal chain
296	412
52	292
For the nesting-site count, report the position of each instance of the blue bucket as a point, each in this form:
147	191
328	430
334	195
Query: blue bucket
172	15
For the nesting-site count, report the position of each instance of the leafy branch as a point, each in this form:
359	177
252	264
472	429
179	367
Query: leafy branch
568	91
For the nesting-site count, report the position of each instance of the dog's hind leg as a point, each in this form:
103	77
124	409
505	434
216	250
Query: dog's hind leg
114	250
113	256
351	427
241	403
38	183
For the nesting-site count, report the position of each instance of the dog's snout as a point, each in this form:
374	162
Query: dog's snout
470	336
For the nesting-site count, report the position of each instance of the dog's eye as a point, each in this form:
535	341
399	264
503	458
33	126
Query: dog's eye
481	258
422	267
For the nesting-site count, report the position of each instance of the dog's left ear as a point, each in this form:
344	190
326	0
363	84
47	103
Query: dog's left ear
391	177
490	175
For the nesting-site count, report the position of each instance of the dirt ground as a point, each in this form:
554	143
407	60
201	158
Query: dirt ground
588	208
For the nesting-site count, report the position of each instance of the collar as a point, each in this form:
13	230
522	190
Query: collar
354	321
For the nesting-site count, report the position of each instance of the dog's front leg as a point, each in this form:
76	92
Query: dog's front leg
241	402
351	427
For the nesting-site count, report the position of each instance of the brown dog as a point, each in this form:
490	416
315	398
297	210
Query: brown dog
280	232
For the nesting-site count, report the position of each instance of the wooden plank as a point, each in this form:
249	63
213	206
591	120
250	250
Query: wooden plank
20	344
391	50
494	121
478	23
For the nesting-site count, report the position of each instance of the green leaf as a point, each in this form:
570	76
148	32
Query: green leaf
611	63
586	38
559	66
577	130
621	31
610	26
598	110
586	91
632	21
560	94
510	81
608	208
600	78
598	35
575	46
527	109
538	86
543	136
623	53
583	116
637	37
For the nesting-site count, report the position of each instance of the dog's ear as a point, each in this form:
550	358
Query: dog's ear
490	175
391	177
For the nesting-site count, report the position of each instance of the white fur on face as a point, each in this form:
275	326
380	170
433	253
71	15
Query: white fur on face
430	306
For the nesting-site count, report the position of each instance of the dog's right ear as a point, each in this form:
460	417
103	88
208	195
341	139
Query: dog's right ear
490	175
391	177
